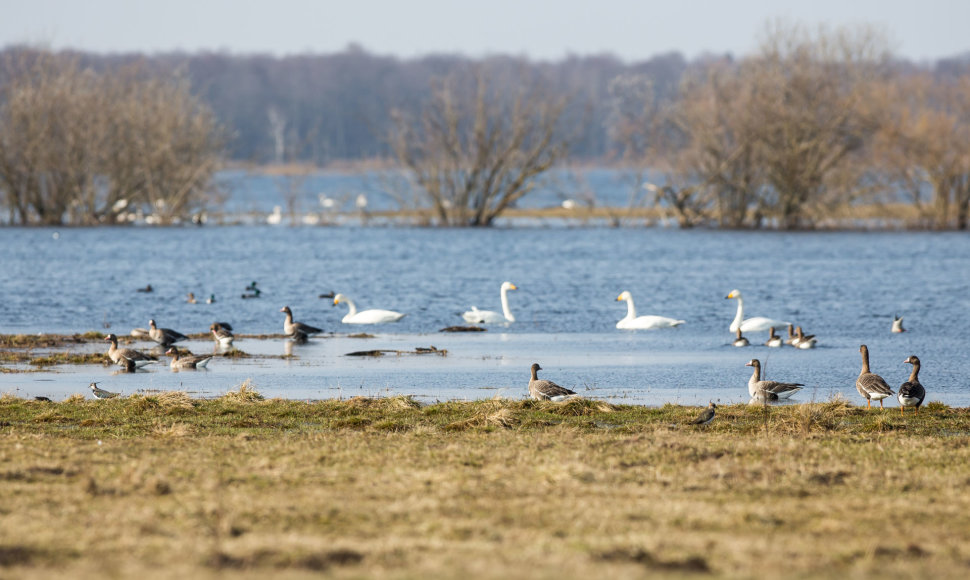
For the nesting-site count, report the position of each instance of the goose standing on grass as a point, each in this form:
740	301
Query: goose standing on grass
119	356
753	324
706	416
870	385
189	361
911	393
372	316
222	335
802	340
164	336
100	393
760	389
297	330
476	316
898	324
633	322
740	340
774	341
542	390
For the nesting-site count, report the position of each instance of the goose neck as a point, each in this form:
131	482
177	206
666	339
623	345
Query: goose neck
914	374
865	360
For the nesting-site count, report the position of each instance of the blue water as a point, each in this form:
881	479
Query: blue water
843	287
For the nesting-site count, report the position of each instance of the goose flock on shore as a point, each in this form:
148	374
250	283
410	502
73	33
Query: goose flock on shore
870	386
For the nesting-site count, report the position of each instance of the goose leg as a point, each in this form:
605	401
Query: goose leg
901	410
880	404
868	403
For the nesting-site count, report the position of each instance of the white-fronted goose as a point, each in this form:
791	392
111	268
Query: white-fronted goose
646	322
372	316
870	385
476	316
706	416
760	389
190	298
189	361
754	324
295	329
100	393
542	390
791	335
898	324
221	334
740	340
802	340
911	393
164	336
774	340
120	355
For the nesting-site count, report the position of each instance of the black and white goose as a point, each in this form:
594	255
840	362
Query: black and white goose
296	330
869	384
127	356
911	393
759	389
542	390
164	336
189	361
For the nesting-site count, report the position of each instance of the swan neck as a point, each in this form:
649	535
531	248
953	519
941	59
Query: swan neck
740	314
505	305
631	310
351	306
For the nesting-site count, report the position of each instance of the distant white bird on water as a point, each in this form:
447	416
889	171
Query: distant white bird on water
898	324
753	324
476	316
372	316
646	322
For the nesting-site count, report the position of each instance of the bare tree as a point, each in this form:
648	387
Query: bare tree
475	152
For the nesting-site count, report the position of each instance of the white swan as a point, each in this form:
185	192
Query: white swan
754	324
374	316
476	316
632	321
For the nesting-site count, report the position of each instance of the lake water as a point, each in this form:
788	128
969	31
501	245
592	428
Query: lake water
843	287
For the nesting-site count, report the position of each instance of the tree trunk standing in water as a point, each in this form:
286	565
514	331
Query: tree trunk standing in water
475	152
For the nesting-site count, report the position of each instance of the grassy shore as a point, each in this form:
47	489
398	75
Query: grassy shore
167	486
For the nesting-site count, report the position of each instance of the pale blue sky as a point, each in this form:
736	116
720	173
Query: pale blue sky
541	29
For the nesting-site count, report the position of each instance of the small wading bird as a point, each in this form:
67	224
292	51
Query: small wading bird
189	361
542	390
372	316
911	393
648	321
706	416
476	316
870	385
101	393
164	336
296	330
898	324
770	390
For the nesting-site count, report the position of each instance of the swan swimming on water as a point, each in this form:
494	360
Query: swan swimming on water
648	321
373	316
476	316
753	324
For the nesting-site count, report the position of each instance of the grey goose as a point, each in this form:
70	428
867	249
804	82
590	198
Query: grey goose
774	340
127	356
760	389
221	334
164	336
740	340
188	361
869	384
542	390
296	330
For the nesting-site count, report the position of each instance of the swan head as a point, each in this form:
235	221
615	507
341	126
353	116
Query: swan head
338	299
753	363
734	294
508	286
624	296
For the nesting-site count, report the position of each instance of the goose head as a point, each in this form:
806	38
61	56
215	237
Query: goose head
536	367
913	360
151	323
753	363
286	310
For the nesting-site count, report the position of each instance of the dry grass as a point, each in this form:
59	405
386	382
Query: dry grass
166	486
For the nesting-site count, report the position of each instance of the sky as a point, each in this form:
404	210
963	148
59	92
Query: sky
923	30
